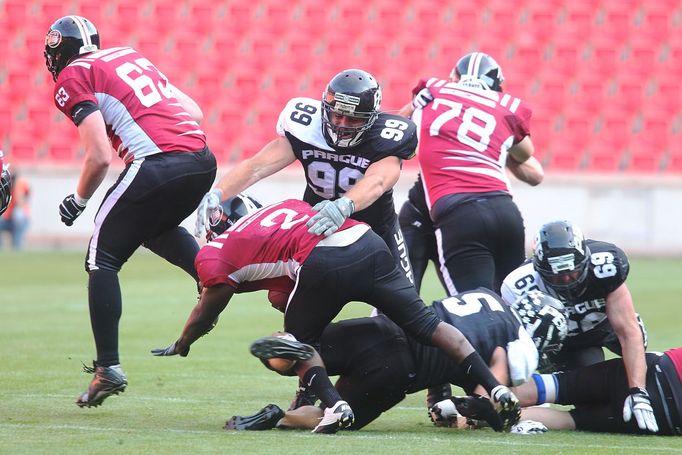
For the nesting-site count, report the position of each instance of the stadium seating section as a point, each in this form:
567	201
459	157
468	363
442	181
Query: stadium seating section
602	76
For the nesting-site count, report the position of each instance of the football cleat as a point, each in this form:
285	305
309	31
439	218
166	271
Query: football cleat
304	397
108	381
265	419
479	408
284	348
507	407
336	418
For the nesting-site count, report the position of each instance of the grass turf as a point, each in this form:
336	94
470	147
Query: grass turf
178	405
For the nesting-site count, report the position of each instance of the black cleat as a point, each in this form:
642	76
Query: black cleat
507	407
304	397
481	408
107	381
282	348
265	419
336	418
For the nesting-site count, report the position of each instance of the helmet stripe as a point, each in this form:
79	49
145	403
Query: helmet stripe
85	35
477	58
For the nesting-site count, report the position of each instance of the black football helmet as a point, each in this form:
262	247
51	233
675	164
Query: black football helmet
561	257
228	212
544	318
66	39
350	106
478	70
5	186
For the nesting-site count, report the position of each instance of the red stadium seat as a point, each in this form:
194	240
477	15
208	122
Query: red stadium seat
604	159
564	158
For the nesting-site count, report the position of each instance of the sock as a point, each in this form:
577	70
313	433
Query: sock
178	247
475	368
104	297
547	388
317	380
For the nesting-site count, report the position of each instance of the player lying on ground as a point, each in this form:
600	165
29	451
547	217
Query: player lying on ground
272	249
378	363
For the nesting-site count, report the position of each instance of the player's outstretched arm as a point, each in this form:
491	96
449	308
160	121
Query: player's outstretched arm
380	177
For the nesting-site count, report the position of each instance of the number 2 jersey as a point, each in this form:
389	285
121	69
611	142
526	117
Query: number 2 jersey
141	114
331	172
487	322
265	249
464	137
607	270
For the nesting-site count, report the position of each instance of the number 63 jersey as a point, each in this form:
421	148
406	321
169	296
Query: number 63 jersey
607	270
141	114
331	172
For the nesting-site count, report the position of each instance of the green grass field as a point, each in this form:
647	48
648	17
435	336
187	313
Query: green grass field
179	405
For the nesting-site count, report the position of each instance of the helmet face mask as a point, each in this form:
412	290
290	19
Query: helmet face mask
350	106
67	38
544	319
561	257
478	70
229	212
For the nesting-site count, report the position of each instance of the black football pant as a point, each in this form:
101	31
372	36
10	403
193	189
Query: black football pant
480	241
151	197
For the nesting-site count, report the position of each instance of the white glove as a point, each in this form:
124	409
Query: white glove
529	427
639	405
422	98
208	204
330	216
444	413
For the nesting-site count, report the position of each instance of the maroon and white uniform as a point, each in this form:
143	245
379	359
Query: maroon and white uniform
272	249
266	250
464	137
142	115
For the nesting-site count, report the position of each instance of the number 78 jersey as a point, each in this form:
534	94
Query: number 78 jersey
330	172
464	136
141	113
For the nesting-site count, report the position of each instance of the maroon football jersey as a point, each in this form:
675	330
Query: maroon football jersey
464	137
265	249
142	115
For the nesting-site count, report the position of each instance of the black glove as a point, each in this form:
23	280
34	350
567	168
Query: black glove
70	209
170	350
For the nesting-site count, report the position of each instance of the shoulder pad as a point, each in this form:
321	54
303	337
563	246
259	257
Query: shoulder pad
302	119
392	135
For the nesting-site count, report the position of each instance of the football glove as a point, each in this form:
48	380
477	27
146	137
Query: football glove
529	427
170	350
422	98
507	406
330	216
639	405
444	414
208	204
71	208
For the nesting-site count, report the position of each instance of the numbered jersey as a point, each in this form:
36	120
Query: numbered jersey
607	270
464	137
487	323
331	172
266	249
142	115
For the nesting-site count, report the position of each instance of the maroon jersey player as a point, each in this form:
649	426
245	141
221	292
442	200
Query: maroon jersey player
116	97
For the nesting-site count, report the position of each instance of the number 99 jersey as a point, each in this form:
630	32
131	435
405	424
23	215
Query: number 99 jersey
608	268
331	172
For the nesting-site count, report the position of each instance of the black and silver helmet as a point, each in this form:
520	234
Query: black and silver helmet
66	39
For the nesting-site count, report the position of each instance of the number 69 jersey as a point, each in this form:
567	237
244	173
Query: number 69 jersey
142	115
331	172
607	270
487	322
464	136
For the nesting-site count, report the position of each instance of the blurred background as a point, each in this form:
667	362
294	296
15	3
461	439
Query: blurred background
602	77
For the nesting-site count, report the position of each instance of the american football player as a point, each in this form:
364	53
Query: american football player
378	363
588	276
351	154
273	249
116	97
5	185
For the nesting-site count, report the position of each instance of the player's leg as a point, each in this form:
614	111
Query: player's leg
395	240
178	247
418	234
508	240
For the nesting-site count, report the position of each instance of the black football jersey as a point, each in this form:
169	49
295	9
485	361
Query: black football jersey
331	172
607	270
417	197
487	322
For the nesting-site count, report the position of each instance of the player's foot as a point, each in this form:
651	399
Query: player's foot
265	419
478	408
304	397
336	418
284	348
507	406
108	381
